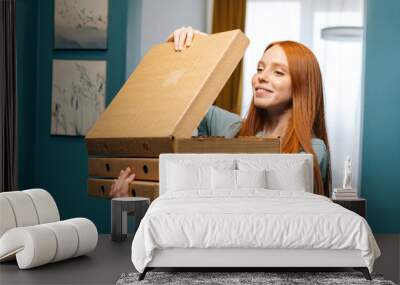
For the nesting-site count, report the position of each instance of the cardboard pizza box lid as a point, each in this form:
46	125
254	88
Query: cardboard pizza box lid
169	92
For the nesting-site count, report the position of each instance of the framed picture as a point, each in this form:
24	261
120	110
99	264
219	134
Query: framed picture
78	95
80	24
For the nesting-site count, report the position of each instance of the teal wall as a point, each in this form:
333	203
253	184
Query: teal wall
26	88
381	135
59	163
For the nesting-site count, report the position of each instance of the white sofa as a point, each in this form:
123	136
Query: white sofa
31	231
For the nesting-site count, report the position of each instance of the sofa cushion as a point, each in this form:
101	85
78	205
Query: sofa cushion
40	244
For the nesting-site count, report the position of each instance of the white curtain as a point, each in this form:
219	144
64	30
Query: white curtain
340	61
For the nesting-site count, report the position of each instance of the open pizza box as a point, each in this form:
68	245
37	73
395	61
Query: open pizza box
158	109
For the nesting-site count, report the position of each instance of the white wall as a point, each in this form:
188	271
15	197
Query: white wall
161	17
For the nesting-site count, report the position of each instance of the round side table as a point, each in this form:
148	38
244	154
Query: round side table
120	209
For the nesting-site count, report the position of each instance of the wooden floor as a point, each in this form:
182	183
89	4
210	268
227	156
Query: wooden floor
110	259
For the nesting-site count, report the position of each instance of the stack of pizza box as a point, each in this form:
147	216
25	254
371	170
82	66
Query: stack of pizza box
159	107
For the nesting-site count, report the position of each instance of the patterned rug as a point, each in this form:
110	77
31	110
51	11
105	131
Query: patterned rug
229	278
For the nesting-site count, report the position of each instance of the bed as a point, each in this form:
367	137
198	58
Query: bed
247	210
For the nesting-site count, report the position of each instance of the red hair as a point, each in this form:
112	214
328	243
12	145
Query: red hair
308	116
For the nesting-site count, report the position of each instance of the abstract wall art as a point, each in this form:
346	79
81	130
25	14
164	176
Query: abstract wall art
80	24
78	95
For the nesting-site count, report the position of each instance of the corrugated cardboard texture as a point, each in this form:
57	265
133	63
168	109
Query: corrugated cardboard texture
222	145
102	187
150	147
144	168
170	92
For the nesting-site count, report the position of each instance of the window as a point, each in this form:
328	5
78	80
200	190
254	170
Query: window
339	51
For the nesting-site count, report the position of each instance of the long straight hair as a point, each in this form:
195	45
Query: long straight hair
308	116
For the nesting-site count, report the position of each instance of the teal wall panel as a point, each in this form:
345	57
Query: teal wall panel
381	132
26	27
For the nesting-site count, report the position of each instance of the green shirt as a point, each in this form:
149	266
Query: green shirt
219	122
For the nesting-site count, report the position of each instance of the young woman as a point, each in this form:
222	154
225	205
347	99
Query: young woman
287	103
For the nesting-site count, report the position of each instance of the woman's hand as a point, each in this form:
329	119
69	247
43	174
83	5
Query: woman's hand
120	186
183	37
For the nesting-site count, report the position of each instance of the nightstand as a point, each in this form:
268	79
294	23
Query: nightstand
120	209
357	205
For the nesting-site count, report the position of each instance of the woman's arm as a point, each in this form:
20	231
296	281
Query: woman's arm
219	122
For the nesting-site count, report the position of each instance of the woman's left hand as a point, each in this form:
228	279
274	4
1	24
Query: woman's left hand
120	186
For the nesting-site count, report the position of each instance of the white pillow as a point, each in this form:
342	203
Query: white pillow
228	179
223	179
281	174
185	175
294	179
251	178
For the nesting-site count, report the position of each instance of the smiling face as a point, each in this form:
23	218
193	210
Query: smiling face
272	88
